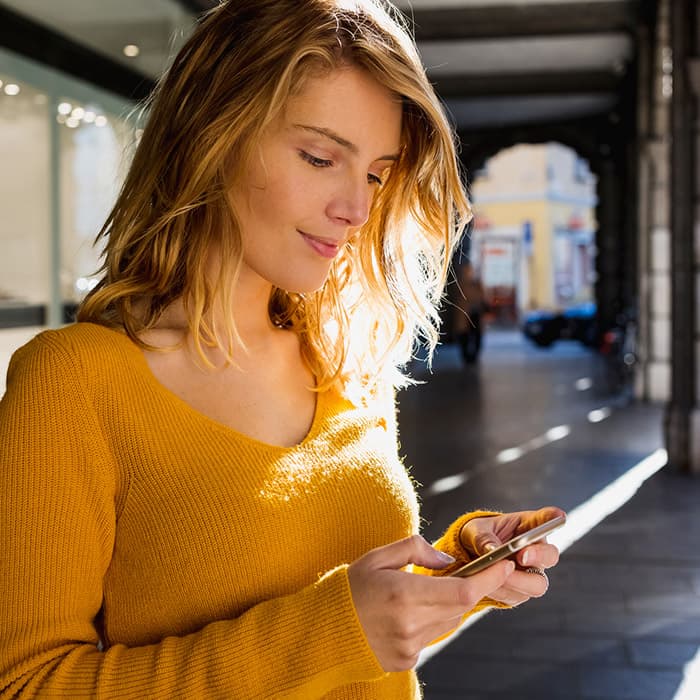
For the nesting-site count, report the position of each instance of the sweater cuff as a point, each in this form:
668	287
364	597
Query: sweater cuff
300	646
451	543
347	648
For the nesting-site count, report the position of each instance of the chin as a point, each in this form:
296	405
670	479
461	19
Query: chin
303	283
305	287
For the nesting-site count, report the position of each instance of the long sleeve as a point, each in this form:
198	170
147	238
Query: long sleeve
59	509
451	543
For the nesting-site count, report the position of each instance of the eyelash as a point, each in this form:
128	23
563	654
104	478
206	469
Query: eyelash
323	163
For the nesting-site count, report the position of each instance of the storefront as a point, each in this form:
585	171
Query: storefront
64	148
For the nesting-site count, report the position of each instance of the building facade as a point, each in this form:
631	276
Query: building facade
533	239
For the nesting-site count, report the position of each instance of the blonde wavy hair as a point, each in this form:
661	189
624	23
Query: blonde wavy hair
225	87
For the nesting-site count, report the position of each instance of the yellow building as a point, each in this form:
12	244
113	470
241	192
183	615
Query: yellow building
533	239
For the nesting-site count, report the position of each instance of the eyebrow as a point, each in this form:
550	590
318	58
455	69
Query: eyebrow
330	134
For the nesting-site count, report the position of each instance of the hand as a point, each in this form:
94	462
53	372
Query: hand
482	534
402	612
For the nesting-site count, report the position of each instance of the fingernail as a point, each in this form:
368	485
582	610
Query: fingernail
511	566
526	558
445	557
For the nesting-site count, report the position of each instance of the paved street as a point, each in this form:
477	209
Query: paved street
528	428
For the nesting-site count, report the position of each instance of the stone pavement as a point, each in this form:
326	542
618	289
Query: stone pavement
527	428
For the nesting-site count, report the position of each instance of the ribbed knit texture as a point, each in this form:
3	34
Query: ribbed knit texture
147	551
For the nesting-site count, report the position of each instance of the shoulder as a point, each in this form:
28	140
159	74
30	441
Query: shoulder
377	397
75	349
77	339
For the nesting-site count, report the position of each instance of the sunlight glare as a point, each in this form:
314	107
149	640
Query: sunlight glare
690	685
510	455
558	433
585	517
599	414
448	483
537	442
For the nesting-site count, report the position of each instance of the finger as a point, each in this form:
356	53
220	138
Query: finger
533	518
483	534
484	542
541	554
449	596
509	597
411	550
532	583
482	584
521	586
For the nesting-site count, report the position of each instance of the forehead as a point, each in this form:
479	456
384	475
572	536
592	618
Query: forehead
352	103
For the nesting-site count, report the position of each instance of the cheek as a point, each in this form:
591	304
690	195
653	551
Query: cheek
261	206
287	201
285	195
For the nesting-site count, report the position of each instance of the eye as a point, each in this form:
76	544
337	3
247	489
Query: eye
313	160
374	179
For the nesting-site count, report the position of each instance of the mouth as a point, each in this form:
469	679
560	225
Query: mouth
325	247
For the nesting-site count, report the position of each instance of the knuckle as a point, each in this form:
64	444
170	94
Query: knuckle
406	630
415	541
407	657
466	597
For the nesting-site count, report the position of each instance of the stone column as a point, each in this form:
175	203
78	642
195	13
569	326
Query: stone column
654	216
682	421
608	266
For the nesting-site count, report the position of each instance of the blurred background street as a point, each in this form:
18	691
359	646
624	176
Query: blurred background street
528	427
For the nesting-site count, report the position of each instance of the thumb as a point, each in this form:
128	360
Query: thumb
412	550
487	542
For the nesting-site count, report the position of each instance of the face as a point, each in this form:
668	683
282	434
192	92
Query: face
311	187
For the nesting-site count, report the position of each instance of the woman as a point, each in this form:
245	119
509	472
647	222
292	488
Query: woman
201	490
468	312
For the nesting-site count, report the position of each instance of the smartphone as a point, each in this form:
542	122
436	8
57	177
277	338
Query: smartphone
510	547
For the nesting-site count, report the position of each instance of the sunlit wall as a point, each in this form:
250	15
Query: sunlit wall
534	229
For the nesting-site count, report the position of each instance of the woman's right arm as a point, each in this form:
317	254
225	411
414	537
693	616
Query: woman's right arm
57	530
401	612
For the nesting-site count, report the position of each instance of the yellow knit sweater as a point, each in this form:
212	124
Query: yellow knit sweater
147	551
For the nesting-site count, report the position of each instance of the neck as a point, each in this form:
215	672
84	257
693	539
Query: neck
249	311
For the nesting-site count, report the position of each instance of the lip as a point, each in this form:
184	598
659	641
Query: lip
325	247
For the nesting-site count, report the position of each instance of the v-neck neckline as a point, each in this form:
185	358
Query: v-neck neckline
185	407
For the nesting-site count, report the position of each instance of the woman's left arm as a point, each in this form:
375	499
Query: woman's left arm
528	580
474	534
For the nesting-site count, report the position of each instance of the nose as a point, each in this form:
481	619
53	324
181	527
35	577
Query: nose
350	204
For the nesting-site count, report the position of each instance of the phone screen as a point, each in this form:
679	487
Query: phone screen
511	547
